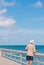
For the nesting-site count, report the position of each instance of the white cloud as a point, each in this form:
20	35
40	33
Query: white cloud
3	11
38	4
30	31
21	35
7	3
5	22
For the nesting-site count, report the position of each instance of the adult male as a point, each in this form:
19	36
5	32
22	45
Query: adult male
30	52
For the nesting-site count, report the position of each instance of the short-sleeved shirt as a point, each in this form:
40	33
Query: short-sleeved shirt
30	49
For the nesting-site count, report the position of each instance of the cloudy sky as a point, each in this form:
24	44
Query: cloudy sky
21	21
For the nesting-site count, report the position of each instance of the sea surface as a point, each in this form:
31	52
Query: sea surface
39	48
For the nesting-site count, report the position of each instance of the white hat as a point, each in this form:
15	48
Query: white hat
32	41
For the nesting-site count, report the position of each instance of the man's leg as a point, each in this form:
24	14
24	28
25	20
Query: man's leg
30	63
26	62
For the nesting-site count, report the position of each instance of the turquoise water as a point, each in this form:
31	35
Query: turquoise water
40	49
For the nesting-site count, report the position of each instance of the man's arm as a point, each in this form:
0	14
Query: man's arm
26	47
34	49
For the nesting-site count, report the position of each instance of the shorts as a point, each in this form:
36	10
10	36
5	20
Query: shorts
28	58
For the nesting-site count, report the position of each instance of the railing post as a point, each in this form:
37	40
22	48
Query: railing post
1	53
10	55
15	55
21	58
38	61
5	54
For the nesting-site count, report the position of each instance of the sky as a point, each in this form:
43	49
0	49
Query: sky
21	21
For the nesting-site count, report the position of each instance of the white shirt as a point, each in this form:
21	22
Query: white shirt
30	49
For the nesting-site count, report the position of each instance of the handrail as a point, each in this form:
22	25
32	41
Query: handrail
14	54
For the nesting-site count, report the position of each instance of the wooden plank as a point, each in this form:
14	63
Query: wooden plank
4	61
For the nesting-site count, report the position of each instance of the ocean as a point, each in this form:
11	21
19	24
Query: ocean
39	48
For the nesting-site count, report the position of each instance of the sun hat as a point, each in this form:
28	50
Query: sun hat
32	41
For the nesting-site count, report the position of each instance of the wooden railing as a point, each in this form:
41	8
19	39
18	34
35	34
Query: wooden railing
20	56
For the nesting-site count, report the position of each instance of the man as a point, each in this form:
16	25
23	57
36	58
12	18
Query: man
30	52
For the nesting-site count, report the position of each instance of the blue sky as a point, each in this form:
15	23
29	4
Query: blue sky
21	21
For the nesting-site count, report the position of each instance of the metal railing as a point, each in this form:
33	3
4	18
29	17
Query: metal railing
20	56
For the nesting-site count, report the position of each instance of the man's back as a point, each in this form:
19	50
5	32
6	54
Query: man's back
30	49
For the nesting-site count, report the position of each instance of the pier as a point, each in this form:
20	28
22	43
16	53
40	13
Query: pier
16	57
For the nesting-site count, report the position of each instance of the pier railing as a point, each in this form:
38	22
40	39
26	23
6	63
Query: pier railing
20	56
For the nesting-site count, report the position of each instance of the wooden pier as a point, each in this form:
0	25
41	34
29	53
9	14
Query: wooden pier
5	61
16	57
